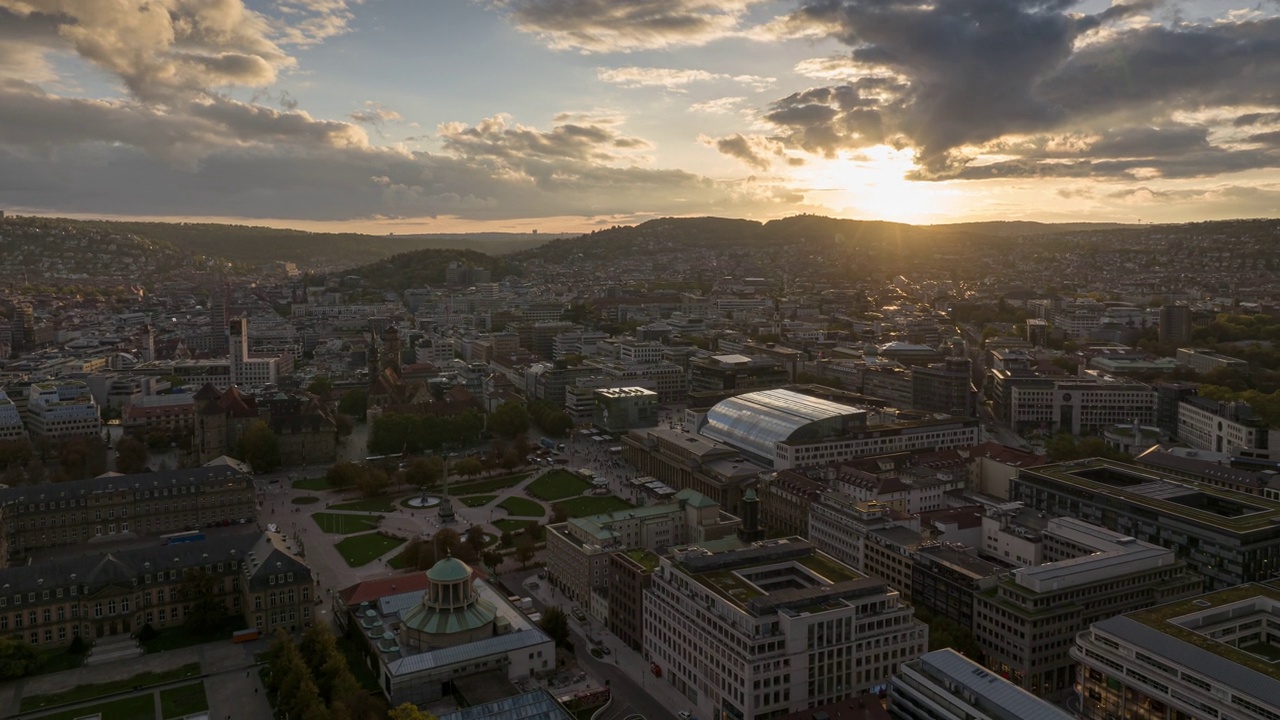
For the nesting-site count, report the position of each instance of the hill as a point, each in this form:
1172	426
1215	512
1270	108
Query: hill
426	267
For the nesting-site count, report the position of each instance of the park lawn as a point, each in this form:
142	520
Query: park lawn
81	693
486	486
305	500
558	485
344	524
317	483
477	500
172	638
522	507
360	550
594	505
142	707
183	701
514	526
374	505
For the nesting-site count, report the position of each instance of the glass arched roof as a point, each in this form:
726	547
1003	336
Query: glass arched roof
754	422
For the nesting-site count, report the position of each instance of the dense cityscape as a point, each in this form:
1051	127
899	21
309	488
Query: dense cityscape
816	468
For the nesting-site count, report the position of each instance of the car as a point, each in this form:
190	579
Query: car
542	574
685	715
273	528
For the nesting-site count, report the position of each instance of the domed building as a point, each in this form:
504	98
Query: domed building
425	632
451	613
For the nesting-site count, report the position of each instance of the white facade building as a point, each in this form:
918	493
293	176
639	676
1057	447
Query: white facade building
1082	406
1228	428
60	410
11	427
773	628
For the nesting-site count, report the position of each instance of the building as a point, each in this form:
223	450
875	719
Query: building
11	426
720	373
1203	361
945	685
838	526
1212	656
425	631
1027	622
1187	464
539	704
1169	396
83	511
1224	427
1175	325
629	575
100	595
945	577
945	387
221	419
772	628
578	549
684	460
1081	406
62	410
621	409
1227	537
250	369
174	415
889	552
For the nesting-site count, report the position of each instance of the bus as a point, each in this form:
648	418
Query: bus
246	635
182	537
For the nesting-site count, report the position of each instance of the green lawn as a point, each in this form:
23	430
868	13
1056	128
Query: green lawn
344	524
172	638
183	701
81	693
487	486
513	526
375	505
360	550
476	500
594	505
319	483
142	707
558	485
305	500
522	507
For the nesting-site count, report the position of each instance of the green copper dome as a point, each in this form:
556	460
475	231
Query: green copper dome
448	570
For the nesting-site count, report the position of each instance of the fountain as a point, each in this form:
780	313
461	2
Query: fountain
423	501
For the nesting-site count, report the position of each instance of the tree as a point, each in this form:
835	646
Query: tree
409	711
342	475
344	424
131	455
260	447
509	420
206	612
17	658
354	403
424	472
491	559
525	548
476	538
556	625
469	467
321	386
559	513
373	482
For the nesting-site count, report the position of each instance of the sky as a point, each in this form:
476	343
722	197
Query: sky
405	116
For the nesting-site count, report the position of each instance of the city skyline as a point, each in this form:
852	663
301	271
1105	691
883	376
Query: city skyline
568	115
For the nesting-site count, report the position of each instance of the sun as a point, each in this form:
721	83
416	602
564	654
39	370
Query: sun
870	184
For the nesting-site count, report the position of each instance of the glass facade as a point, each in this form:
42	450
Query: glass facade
754	422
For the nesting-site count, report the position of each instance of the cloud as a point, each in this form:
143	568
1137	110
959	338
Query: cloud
600	26
754	150
309	22
718	106
375	114
674	79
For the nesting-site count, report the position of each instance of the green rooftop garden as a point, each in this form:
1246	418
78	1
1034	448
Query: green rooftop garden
1160	617
644	558
829	568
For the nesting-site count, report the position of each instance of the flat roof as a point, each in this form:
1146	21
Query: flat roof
1153	488
981	687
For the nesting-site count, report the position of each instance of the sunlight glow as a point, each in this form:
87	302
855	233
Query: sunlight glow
870	185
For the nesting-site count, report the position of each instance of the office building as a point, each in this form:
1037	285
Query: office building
772	628
1226	537
1169	395
629	574
945	387
11	426
1203	361
620	409
173	415
945	577
1175	325
945	685
1027	622
62	410
720	373
1212	656
684	460
1225	427
1081	406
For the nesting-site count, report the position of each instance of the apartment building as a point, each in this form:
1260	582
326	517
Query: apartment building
629	574
1227	537
945	387
772	628
61	410
945	578
1027	622
1212	656
99	595
945	685
838	526
78	511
